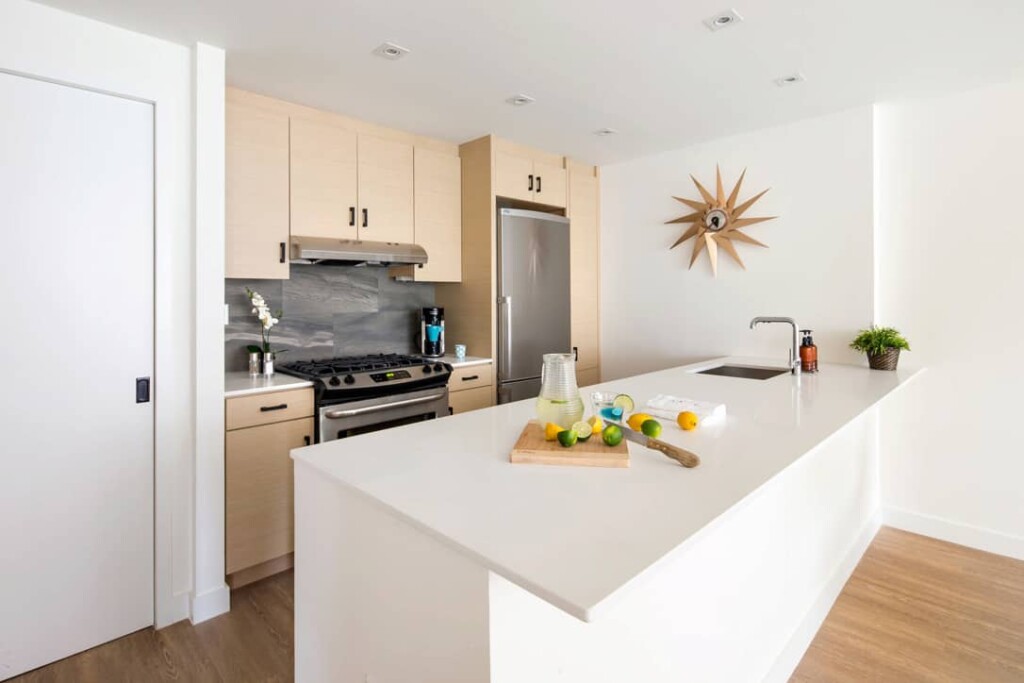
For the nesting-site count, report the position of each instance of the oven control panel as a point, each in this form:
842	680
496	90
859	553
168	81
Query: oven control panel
390	375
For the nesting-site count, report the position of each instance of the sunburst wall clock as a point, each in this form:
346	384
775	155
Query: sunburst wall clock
716	221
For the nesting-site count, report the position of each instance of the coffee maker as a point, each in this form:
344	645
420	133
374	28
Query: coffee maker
432	332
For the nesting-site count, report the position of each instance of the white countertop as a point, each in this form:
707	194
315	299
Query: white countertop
575	536
241	384
466	362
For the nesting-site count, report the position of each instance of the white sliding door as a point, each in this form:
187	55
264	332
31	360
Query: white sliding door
76	314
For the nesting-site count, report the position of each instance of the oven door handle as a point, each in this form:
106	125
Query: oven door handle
336	414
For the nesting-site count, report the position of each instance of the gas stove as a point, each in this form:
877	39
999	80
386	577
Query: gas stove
365	393
373	375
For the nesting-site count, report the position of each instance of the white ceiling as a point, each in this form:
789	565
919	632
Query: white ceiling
648	68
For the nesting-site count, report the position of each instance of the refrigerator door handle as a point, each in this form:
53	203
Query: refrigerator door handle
505	320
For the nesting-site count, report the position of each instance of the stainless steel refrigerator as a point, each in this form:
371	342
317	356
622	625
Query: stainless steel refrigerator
533	298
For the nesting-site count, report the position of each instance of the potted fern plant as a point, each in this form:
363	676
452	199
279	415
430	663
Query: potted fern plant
882	346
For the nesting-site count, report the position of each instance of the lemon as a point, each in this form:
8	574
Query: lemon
687	421
651	428
625	403
596	425
612	435
551	431
583	430
637	419
567	438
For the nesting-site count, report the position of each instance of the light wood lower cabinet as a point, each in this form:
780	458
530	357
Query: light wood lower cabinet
259	488
471	399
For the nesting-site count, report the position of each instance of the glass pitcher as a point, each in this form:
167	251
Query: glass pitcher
559	401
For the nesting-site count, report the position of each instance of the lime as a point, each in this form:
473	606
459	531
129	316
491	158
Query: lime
612	435
625	402
651	428
583	430
567	438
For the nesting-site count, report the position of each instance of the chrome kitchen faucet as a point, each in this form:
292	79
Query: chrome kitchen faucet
794	353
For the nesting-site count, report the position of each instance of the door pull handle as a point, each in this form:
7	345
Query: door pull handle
283	260
531	183
366	218
352	216
538	184
267	409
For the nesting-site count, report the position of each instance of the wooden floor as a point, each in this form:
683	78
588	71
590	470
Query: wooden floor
915	609
252	642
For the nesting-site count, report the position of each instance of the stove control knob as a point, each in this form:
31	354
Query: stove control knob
334	381
438	368
427	370
349	379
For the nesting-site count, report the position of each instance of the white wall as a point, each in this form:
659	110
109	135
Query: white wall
949	239
656	313
59	46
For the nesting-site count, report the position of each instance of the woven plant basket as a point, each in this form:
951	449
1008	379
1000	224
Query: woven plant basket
887	360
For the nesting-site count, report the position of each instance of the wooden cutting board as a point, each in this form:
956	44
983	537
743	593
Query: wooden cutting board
531	448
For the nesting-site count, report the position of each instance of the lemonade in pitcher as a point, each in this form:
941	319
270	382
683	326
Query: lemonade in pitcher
559	401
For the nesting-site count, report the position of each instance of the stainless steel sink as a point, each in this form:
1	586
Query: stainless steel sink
744	371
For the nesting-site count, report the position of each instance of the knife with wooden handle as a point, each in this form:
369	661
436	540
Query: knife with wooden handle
680	455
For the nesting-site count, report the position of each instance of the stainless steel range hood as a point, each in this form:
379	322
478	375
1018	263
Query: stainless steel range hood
355	252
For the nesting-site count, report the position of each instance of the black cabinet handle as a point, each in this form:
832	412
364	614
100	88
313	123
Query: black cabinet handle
307	439
282	252
366	218
531	182
538	184
352	215
267	409
470	378
576	353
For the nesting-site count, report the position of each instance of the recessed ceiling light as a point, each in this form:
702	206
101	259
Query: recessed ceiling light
605	132
791	79
723	19
390	51
520	100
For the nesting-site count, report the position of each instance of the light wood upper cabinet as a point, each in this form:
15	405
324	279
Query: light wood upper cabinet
438	215
323	180
513	176
256	192
549	184
520	176
584	238
385	190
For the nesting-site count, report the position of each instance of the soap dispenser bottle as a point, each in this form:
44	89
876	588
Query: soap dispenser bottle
808	353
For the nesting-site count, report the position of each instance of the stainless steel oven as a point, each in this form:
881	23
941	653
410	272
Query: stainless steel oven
342	420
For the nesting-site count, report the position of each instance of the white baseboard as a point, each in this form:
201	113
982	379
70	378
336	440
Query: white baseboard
211	603
955	532
787	661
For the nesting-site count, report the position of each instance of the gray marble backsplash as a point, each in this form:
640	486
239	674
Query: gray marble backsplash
327	311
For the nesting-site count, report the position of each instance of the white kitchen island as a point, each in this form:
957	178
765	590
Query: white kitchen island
423	555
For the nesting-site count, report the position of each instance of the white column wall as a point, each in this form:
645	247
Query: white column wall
949	240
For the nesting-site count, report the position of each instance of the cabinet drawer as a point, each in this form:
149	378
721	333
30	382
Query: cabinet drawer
262	409
471	399
470	378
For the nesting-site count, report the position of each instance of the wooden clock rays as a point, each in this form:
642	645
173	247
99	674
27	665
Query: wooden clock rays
716	221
